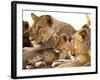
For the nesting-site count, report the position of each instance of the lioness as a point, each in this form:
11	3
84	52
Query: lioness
45	29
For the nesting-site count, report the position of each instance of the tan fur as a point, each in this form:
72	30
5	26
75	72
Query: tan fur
45	27
33	55
78	46
61	36
61	40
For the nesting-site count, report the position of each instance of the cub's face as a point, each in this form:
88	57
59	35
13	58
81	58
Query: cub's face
41	28
61	46
61	40
79	43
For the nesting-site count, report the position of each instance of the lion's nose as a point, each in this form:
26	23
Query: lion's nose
67	57
31	39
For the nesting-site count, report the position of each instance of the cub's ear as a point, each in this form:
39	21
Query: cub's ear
83	34
85	26
34	17
62	39
49	20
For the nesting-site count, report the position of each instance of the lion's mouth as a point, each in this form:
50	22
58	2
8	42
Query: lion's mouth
35	44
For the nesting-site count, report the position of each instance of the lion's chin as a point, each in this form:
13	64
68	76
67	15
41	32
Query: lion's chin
35	44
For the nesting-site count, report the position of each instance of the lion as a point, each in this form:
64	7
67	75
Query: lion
38	57
26	41
61	40
77	47
45	29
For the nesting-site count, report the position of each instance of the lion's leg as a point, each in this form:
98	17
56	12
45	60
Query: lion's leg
79	61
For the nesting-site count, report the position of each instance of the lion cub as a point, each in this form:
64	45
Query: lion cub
78	47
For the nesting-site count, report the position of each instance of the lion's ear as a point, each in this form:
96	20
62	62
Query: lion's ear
49	20
34	17
83	34
62	39
85	26
25	25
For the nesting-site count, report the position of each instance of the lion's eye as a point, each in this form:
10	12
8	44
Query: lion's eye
39	27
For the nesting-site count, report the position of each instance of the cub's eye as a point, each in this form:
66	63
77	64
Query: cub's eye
39	27
73	54
70	39
83	36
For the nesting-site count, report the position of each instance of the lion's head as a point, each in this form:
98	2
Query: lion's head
41	28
